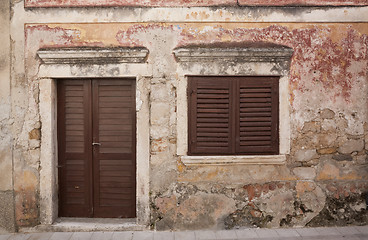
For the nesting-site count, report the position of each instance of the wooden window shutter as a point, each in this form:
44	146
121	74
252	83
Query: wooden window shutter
233	115
209	116
258	115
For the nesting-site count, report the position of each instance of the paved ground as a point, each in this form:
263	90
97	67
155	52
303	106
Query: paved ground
334	233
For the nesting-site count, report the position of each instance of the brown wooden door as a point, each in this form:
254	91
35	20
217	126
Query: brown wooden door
96	145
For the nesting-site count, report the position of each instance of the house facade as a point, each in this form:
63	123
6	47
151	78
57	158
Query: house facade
182	115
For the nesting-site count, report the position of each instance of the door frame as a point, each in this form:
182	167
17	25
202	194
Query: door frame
47	77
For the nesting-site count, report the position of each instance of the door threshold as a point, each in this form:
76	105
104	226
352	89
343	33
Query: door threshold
92	224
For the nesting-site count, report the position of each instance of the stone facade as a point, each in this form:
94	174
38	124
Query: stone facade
320	177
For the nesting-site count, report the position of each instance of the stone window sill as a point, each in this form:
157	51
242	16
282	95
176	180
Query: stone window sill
233	160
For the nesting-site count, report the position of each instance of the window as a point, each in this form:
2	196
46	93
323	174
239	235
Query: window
233	115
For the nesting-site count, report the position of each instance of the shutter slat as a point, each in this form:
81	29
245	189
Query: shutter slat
255	129
212	120
255	105
259	89
255	124
254	100
213	106
256	110
256	114
211	130
212	96
255	119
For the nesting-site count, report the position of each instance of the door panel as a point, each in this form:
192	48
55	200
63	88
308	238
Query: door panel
96	134
75	152
114	129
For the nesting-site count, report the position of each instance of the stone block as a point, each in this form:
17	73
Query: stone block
362	159
324	151
341	123
160	158
159	92
311	163
328	125
26	209
34	143
160	113
351	146
342	157
327	139
5	169
328	171
33	158
35	134
305	155
305	173
312	126
159	131
327	114
159	145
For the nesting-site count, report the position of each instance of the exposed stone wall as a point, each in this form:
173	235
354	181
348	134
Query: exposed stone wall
325	177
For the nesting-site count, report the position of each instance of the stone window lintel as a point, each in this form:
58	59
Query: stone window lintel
236	54
93	55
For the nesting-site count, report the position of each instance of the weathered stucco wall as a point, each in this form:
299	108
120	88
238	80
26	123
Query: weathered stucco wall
6	176
324	180
189	3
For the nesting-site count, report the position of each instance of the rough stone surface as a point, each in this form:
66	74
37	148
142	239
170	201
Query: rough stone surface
342	157
7	221
291	202
305	155
352	146
306	173
328	125
193	212
160	113
327	114
328	171
345	205
323	151
312	127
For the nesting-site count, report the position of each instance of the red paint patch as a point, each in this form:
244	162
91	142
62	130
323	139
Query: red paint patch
303	3
188	3
317	58
128	3
131	36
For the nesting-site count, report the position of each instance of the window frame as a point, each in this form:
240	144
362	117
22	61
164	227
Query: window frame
233	60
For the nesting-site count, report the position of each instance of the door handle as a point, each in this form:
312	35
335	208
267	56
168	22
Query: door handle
96	144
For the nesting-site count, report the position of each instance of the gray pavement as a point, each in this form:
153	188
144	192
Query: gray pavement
333	233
